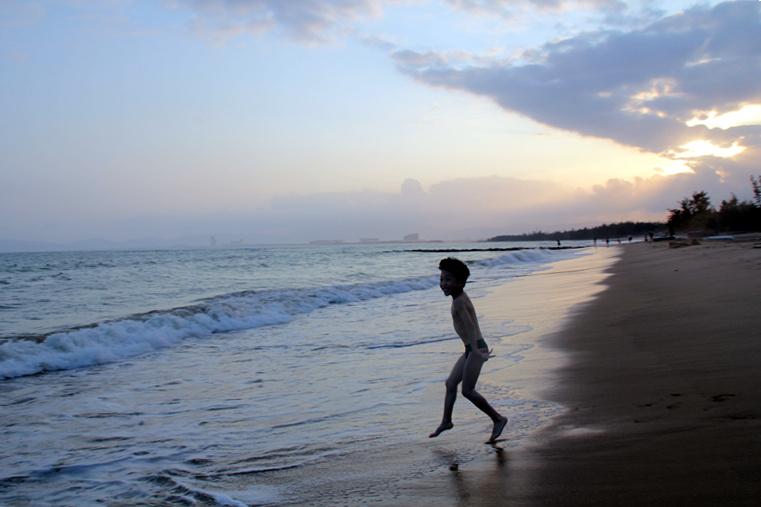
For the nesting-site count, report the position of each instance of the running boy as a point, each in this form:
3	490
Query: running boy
454	275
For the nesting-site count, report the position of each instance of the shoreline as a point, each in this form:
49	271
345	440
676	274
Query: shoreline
658	374
663	385
418	470
550	300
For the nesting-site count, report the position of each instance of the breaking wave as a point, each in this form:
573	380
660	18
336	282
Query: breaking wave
114	340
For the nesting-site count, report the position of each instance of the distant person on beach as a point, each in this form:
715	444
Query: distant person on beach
454	275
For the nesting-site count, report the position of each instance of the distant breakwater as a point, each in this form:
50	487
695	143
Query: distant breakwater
510	249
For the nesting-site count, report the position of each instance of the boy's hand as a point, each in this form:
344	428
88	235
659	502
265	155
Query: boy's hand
486	353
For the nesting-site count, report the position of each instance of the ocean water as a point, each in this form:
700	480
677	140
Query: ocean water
232	376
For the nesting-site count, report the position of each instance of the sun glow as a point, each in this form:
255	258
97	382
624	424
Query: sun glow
671	167
703	148
641	101
749	114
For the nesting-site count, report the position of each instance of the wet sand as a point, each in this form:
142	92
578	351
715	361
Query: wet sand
660	376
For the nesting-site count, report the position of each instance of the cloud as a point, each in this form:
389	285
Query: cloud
485	206
305	20
509	8
447	210
638	87
463	208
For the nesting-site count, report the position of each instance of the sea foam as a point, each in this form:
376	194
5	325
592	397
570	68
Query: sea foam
114	340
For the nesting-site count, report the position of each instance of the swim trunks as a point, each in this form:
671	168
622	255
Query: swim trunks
481	345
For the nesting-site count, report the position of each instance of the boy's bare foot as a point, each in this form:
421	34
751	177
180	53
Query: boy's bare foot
442	427
499	425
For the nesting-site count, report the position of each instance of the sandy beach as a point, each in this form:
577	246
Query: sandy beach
629	373
665	378
661	385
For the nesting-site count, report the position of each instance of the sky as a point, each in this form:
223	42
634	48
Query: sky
266	121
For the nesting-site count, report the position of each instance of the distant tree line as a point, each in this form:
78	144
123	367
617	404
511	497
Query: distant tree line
617	230
696	213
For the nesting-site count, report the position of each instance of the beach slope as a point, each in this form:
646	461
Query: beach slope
663	389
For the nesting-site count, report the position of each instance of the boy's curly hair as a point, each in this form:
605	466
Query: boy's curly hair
456	267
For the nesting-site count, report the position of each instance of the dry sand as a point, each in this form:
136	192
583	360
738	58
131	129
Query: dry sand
662	389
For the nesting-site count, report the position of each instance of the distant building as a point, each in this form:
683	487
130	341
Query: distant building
412	237
326	242
369	240
212	241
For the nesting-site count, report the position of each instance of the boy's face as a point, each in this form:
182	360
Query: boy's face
449	284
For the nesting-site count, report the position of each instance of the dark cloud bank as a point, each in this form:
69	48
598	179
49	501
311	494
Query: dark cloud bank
637	86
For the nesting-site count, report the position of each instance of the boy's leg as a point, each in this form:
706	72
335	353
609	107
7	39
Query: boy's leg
470	374
455	376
